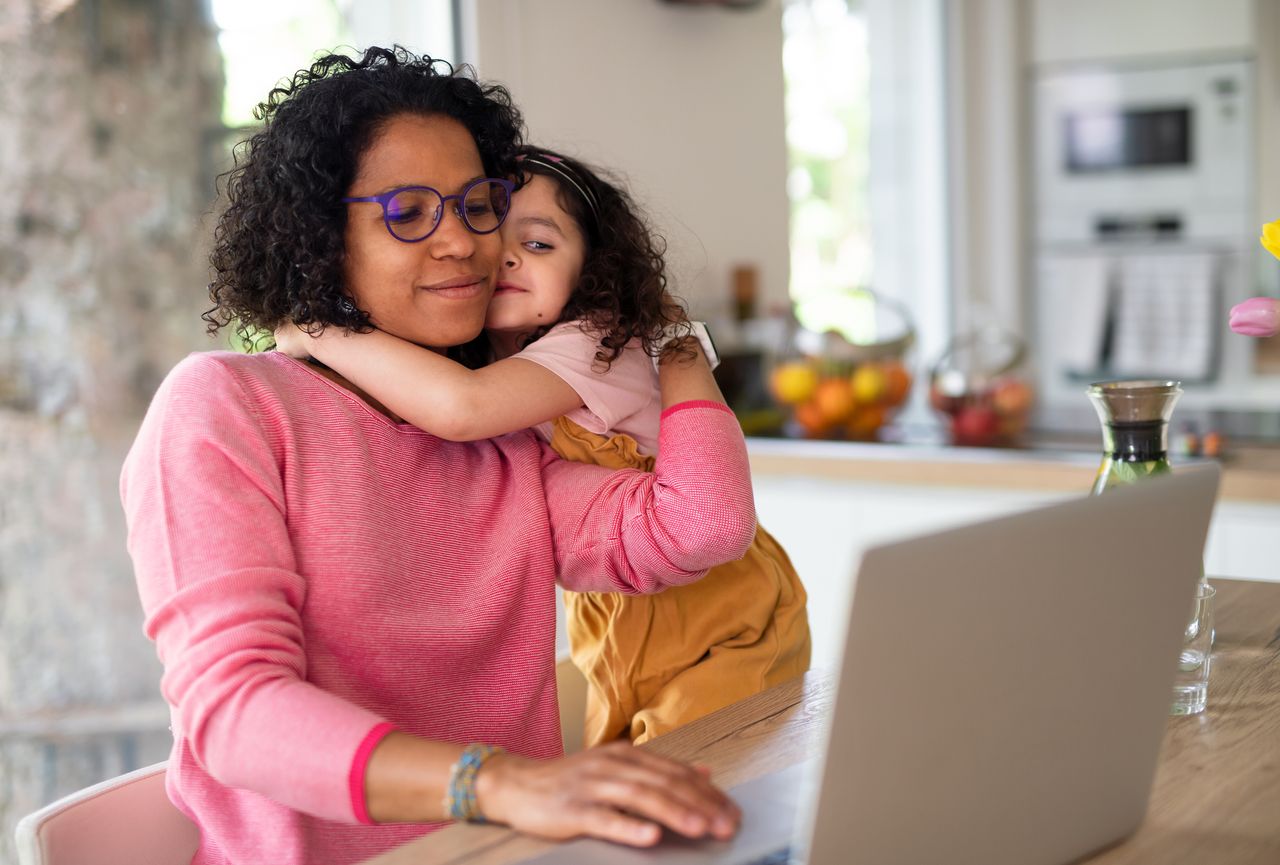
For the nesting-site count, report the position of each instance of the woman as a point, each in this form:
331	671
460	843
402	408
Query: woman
352	613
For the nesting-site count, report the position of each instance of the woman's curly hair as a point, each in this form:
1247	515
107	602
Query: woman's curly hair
279	244
622	291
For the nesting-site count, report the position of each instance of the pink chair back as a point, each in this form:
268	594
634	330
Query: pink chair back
127	820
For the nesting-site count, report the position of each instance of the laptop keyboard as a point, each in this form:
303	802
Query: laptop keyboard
777	857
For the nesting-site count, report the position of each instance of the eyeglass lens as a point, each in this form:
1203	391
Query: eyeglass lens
414	213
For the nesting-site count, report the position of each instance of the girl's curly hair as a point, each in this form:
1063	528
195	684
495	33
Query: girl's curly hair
622	291
278	245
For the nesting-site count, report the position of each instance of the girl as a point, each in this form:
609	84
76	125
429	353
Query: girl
578	315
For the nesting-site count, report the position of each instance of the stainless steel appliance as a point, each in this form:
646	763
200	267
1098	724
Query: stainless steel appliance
1144	225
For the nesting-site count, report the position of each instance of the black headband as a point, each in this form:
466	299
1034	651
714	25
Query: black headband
565	171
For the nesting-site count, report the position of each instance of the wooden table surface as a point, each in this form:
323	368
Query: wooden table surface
1216	797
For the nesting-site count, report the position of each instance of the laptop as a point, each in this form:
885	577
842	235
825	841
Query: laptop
1002	696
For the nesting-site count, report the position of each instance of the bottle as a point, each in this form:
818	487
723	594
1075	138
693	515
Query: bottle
1135	432
1135	429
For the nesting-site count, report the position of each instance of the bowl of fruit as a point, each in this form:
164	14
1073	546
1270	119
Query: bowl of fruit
842	385
979	385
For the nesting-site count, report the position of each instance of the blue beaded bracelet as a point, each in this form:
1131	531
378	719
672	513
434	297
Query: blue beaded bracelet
460	797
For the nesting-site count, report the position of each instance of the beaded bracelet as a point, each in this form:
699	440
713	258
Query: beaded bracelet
460	797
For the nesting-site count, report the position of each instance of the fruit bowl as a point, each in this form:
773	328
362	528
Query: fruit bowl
978	384
833	387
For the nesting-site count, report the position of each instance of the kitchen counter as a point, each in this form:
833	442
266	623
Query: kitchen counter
1250	472
827	502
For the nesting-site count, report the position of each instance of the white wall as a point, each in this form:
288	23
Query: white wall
685	102
986	169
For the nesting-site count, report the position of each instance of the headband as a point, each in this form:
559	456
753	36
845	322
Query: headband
565	171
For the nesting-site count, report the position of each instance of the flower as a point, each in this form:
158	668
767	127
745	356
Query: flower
1271	238
1258	316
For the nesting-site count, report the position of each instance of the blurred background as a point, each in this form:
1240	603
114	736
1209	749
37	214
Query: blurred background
907	221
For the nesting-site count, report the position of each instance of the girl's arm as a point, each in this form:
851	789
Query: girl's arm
640	532
434	393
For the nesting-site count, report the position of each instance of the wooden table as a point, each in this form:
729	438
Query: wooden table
1217	789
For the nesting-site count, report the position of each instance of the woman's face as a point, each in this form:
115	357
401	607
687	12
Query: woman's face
542	254
434	292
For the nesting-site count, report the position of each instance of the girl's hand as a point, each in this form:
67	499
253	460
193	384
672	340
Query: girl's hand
1258	316
616	792
293	341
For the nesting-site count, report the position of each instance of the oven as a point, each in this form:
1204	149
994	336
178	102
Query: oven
1144	223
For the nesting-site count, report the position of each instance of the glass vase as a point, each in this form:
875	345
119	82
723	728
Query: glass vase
1135	433
1135	429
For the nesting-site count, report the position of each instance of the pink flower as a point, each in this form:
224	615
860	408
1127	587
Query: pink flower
1257	316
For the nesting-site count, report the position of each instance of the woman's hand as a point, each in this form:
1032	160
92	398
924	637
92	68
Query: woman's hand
293	341
616	792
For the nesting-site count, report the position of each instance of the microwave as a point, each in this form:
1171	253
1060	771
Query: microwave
1143	153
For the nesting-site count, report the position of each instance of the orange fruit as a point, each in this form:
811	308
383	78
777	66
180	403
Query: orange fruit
811	420
1011	397
835	399
897	382
866	421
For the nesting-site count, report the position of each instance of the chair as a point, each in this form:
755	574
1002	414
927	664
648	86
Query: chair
572	688
127	820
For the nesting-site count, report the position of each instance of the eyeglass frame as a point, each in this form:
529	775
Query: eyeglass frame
385	198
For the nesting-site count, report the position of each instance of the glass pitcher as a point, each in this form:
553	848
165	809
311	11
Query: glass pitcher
1135	429
1135	432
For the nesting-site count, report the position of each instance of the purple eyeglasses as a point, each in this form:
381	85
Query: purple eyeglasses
412	213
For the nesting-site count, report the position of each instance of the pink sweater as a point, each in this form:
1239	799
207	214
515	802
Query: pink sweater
315	575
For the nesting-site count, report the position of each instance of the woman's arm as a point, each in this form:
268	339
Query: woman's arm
220	589
434	393
635	532
219	585
616	792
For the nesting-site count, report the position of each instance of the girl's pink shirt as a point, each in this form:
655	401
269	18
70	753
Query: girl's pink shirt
622	399
315	575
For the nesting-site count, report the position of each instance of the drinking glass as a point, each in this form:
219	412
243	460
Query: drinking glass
1191	685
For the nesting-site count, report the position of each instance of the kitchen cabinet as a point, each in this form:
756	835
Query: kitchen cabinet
826	503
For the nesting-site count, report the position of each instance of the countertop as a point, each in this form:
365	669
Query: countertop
1251	472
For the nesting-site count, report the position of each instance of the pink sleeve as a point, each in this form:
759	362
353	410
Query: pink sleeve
637	532
215	569
608	396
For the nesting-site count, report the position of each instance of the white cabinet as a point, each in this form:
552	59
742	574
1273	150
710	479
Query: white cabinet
1103	30
825	526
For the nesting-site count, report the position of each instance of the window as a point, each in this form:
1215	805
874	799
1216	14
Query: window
866	137
825	63
263	43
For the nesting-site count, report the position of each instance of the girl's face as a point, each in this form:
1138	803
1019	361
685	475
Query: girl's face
542	254
434	292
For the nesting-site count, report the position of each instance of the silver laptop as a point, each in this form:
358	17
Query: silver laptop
1002	697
